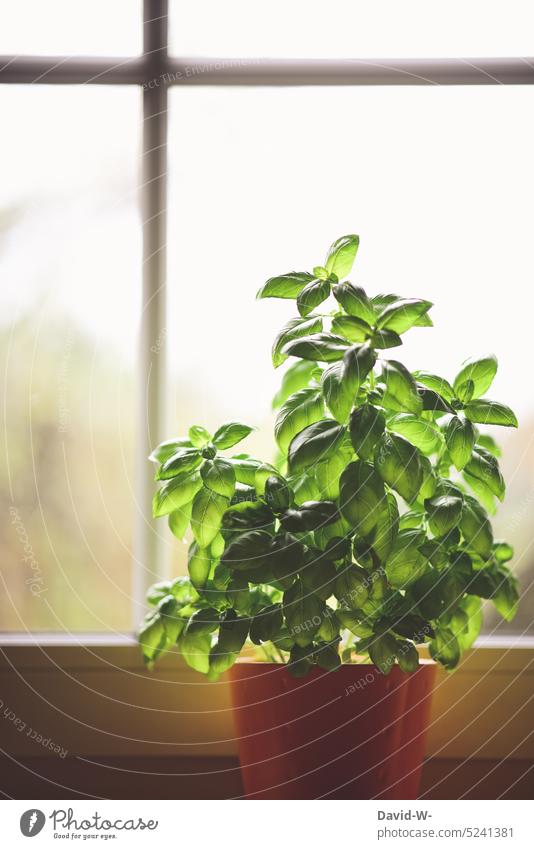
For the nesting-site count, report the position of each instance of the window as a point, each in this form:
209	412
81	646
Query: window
270	157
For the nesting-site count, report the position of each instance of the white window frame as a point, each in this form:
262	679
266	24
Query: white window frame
154	70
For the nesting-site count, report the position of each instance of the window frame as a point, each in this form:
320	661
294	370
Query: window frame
154	70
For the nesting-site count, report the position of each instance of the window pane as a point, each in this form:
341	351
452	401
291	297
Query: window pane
437	182
352	28
71	27
69	302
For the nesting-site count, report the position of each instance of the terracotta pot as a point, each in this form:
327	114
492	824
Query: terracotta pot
349	734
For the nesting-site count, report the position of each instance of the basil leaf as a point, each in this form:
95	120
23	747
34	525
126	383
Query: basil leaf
244	469
303	613
460	438
423	434
198	565
327	657
294	329
300	410
506	599
266	624
357	363
318	578
437	384
433	401
219	476
398	463
480	371
405	564
175	494
298	376
179	520
354	622
351	328
408	657
248	550
341	255
444	513
354	301
230	434
199	436
360	493
152	637
316	442
233	632
383	651
403	314
185	460
313	294
445	648
385	339
485	467
386	529
206	515
327	474
167	449
309	516
503	551
337	395
482	492
401	390
278	493
476	528
490	412
320	347
486	441
195	649
367	424
285	286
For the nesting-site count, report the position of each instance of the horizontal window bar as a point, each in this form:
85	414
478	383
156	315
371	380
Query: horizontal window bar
153	71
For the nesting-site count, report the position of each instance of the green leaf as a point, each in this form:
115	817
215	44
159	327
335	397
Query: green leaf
398	463
195	649
313	294
152	637
354	622
433	401
341	255
278	493
490	413
321	272
506	599
503	551
183	461
351	328
303	613
437	384
360	493
386	530
401	390
309	516
445	648
357	363
408	657
266	624
460	438
298	376
484	440
367	424
233	632
206	515
316	442
248	550
476	528
482	492
320	347
175	494
485	467
465	391
337	395
318	578
444	513
198	565
403	314
179	520
422	433
405	564
294	329
285	286
199	436
355	302
230	434
219	476
300	661
481	371
167	449
327	474
385	339
383	651
300	410
244	469
327	657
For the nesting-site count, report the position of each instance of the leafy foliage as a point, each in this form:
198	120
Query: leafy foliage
371	535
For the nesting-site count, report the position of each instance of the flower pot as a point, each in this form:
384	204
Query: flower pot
349	734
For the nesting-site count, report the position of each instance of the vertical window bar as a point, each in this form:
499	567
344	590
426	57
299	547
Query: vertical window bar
150	558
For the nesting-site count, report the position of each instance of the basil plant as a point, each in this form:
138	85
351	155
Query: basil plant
370	532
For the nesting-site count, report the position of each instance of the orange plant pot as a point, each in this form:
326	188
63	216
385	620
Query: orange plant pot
349	734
